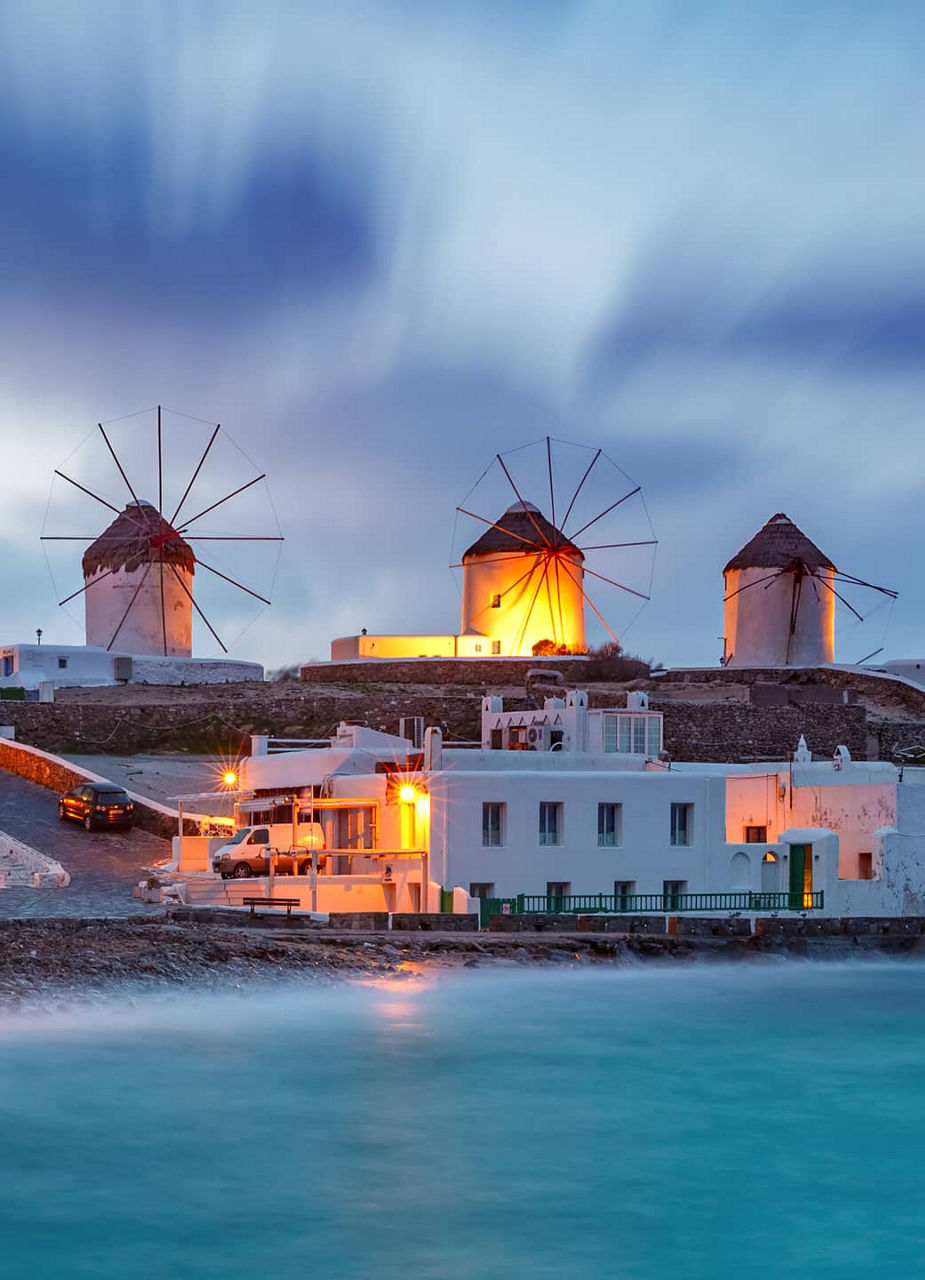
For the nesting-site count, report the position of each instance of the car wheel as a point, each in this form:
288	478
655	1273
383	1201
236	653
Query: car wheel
88	823
242	871
305	869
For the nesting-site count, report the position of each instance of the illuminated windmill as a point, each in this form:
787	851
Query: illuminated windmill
779	600
139	573
529	574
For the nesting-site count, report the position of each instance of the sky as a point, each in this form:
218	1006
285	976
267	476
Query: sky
382	242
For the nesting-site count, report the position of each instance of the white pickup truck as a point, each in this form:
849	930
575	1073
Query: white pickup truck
248	853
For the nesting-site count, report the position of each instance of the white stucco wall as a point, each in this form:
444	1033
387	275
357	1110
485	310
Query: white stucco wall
756	620
62	665
108	596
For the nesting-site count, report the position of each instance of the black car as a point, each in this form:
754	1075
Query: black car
97	804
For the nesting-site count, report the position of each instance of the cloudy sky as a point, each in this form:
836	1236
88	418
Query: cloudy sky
382	241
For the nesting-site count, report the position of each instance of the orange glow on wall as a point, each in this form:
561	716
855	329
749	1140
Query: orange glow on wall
518	599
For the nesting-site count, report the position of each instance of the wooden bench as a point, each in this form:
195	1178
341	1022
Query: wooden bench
288	903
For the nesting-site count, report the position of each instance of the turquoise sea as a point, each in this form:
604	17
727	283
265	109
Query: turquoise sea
699	1121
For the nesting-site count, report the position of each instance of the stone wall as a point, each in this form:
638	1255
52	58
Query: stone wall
58	776
222	718
731	731
442	671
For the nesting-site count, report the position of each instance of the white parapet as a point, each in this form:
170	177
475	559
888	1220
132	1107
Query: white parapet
22	867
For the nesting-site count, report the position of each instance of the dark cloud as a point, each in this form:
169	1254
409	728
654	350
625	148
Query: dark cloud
677	308
75	220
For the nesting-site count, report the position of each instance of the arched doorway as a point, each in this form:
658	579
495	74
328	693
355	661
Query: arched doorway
769	873
740	873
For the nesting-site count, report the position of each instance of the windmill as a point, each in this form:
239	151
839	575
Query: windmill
529	573
139	572
779	600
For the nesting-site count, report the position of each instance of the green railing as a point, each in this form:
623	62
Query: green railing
646	903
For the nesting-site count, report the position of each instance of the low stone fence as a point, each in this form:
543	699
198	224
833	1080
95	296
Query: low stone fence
576	924
60	775
434	922
842	927
710	926
359	921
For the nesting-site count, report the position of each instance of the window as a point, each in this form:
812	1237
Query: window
756	835
557	890
496	601
671	893
8	665
550	822
609	825
62	663
481	889
682	823
478	648
865	866
492	825
260	836
622	891
496	646
633	735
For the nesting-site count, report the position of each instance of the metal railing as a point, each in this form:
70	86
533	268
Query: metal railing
646	903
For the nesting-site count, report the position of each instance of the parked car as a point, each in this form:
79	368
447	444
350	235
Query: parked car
248	853
97	804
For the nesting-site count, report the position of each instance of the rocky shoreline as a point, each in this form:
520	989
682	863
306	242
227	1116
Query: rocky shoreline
44	962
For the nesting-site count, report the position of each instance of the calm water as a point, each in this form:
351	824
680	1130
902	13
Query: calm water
697	1122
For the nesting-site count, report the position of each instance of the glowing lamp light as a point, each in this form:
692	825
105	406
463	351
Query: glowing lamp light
408	794
230	778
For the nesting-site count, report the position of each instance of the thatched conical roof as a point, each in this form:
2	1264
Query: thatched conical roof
779	545
521	521
138	535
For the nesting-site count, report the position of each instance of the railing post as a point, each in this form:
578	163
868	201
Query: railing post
520	904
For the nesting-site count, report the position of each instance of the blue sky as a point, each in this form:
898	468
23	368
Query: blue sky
380	242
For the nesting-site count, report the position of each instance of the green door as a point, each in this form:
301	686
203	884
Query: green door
801	875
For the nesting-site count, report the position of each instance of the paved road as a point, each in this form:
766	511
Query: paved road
164	776
103	865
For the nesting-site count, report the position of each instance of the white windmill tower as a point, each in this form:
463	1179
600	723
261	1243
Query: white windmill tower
779	600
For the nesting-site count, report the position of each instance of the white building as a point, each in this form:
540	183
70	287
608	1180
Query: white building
43	668
565	801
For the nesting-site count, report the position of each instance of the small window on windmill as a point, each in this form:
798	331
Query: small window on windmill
496	600
122	668
496	646
62	664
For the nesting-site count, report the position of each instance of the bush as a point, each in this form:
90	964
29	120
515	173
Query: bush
609	662
549	649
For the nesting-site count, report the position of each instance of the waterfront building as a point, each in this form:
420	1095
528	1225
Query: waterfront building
566	801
